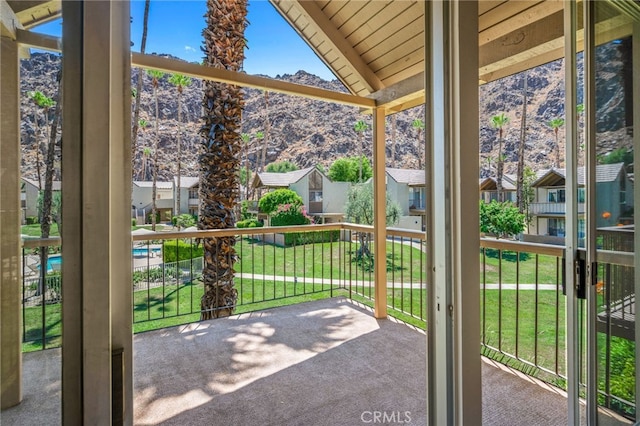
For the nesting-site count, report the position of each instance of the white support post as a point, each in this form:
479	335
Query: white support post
454	379
10	212
380	214
573	338
96	190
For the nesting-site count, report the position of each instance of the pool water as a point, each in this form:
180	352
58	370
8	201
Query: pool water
143	251
55	261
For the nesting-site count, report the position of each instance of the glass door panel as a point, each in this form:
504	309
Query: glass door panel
612	210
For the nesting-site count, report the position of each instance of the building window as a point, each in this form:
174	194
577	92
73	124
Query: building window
581	195
193	192
556	196
555	227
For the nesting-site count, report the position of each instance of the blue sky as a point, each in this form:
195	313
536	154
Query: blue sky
175	27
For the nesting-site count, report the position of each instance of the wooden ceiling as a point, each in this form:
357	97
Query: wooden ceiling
376	48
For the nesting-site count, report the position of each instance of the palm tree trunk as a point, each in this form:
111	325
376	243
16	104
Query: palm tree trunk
557	148
523	137
220	158
499	169
136	109
393	140
360	137
154	189
179	152
265	141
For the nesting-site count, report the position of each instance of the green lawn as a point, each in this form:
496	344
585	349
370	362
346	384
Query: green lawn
34	230
548	267
327	260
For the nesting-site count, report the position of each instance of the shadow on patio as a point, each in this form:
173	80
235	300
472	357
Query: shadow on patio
327	362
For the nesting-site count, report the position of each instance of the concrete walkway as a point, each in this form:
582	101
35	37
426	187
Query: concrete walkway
327	362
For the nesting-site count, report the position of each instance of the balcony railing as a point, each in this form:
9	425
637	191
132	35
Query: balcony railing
193	202
522	306
552	208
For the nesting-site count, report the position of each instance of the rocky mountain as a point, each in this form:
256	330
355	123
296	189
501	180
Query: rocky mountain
309	132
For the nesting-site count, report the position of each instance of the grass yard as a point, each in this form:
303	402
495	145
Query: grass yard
34	230
548	267
327	260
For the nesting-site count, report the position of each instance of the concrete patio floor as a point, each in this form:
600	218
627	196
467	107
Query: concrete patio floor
327	362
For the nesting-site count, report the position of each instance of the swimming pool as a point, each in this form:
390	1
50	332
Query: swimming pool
143	251
55	261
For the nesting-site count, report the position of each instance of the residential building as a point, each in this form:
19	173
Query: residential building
613	204
489	188
408	188
189	197
29	193
142	197
323	197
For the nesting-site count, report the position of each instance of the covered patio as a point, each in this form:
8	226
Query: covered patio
329	361
326	362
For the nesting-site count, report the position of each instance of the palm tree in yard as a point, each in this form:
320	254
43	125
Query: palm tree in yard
224	45
246	139
155	77
143	124
418	125
146	153
555	124
138	89
180	81
360	127
498	122
41	101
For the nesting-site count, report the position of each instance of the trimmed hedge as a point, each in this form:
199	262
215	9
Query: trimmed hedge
249	223
173	251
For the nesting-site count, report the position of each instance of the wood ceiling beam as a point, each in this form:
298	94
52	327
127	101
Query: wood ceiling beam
609	29
522	39
9	21
312	12
533	14
33	13
38	40
246	80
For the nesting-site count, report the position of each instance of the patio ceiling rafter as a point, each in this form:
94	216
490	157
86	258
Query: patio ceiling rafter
247	80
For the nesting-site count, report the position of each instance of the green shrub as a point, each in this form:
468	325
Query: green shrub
314	237
270	202
31	220
134	222
290	215
174	220
249	223
177	250
185	220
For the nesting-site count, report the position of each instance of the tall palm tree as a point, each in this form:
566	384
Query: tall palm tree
142	125
180	81
523	137
393	140
41	101
555	124
265	135
146	153
418	125
155	77
246	139
224	45
138	90
498	122
360	127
